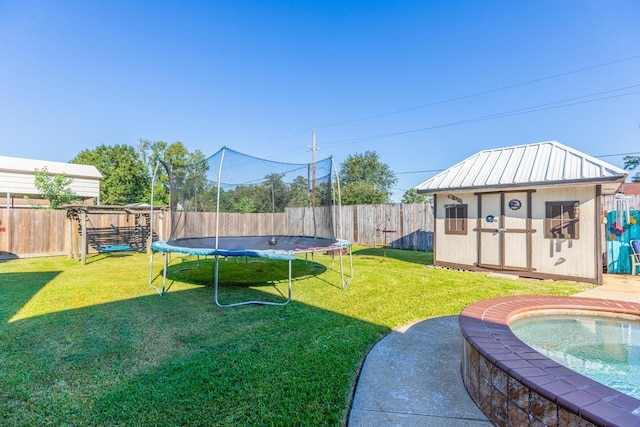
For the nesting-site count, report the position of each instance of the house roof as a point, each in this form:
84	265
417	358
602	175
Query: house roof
20	165
532	165
630	188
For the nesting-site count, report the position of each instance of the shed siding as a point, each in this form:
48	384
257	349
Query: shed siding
16	183
564	257
17	177
84	187
456	248
557	257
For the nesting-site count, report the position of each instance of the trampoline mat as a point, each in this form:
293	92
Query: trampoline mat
274	247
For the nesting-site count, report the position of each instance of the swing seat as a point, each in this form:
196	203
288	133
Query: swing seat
114	248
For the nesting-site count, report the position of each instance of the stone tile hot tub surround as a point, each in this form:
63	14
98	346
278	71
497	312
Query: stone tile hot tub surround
514	385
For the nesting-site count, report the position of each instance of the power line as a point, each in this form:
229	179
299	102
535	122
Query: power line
526	110
459	98
604	64
425	171
618	155
288	136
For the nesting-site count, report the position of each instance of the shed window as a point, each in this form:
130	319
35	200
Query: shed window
455	219
562	220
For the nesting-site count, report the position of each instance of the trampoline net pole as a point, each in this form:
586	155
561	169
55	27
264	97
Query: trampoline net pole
218	200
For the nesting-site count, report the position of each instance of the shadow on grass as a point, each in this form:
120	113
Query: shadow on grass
101	256
16	289
242	279
416	257
182	361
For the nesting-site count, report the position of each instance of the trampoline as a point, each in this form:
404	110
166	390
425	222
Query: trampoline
272	247
234	205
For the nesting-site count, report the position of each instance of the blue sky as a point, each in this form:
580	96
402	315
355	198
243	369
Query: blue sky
418	82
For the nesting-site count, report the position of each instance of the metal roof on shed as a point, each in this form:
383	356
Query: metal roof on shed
541	164
21	165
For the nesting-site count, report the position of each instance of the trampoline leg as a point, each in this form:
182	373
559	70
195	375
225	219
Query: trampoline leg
235	304
345	285
164	275
215	281
151	270
289	297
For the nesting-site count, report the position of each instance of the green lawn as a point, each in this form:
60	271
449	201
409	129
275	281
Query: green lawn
95	345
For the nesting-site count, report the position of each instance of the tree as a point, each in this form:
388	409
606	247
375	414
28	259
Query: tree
412	196
125	180
300	194
277	193
245	205
190	168
365	180
362	193
630	163
54	188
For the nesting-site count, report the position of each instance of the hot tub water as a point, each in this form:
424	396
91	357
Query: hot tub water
605	349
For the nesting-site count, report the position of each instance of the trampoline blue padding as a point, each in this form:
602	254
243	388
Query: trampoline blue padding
114	248
272	247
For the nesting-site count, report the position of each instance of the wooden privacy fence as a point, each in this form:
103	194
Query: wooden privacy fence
34	232
400	226
232	224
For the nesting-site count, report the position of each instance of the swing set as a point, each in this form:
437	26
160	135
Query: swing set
108	235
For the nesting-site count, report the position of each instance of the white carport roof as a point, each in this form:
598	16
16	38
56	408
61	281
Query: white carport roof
533	165
20	165
17	177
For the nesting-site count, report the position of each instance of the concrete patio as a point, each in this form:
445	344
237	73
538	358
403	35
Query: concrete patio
412	376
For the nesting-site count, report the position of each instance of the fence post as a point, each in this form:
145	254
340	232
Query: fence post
5	230
10	225
356	223
69	239
83	250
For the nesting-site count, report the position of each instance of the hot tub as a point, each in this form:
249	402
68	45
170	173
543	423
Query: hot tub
514	385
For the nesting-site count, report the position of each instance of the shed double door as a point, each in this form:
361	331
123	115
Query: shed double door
504	231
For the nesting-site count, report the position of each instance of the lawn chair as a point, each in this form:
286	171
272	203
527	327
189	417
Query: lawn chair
635	255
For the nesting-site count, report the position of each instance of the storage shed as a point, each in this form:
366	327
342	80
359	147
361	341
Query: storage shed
532	210
17	179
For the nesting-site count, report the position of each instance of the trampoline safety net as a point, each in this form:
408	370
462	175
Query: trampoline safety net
209	198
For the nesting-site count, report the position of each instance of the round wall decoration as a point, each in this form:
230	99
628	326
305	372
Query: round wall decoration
515	204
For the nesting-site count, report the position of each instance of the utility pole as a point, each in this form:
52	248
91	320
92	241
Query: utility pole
313	149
